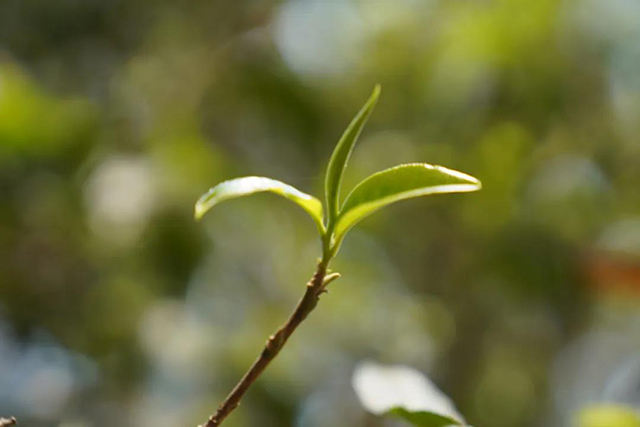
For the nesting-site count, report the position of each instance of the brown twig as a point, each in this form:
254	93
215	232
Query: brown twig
8	422
274	344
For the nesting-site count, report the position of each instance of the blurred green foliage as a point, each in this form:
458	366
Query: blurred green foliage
115	116
608	416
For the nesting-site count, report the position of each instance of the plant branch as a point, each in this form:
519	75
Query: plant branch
315	287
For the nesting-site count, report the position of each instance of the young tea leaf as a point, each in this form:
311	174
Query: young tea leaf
240	187
399	183
341	154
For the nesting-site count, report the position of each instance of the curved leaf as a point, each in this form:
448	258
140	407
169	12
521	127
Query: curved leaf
342	152
399	183
240	187
403	392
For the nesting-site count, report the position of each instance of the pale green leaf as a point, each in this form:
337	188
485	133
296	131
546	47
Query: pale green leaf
399	183
403	392
240	187
342	152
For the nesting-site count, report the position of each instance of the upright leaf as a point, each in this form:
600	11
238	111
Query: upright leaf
240	187
341	154
399	183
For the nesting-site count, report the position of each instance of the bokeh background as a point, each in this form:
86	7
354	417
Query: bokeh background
522	301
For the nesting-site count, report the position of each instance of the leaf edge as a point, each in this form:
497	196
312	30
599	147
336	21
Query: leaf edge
474	184
357	124
203	204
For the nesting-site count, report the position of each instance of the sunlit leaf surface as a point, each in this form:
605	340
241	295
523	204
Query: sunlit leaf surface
399	183
403	392
246	186
342	152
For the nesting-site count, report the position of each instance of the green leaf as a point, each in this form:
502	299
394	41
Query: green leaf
403	392
240	187
424	418
399	183
342	152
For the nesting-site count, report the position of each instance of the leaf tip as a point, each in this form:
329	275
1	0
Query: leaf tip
475	183
202	206
199	211
376	91
471	182
478	184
